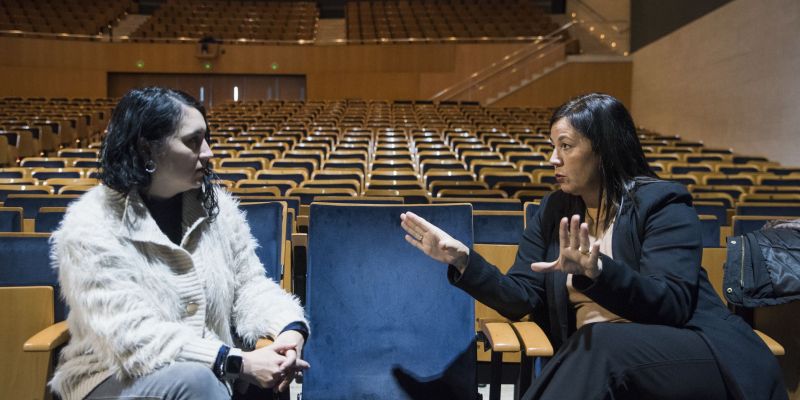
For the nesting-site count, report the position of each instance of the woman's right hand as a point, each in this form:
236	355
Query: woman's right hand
263	366
434	242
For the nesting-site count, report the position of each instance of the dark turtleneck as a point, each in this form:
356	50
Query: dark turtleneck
168	215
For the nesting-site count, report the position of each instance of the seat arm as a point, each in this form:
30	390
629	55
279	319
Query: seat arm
49	338
775	347
534	342
500	335
263	342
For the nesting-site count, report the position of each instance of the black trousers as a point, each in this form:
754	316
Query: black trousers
631	361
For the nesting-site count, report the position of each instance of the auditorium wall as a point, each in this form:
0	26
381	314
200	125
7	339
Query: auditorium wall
578	76
69	68
728	78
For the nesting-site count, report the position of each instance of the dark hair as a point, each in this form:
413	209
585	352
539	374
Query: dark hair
609	127
140	124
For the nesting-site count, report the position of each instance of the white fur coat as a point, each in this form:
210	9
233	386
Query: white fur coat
139	302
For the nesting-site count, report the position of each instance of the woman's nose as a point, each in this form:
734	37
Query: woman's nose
554	159
205	151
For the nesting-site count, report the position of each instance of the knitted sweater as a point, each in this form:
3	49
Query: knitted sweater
139	302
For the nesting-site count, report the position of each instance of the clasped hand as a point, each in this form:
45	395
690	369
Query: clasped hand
576	255
277	365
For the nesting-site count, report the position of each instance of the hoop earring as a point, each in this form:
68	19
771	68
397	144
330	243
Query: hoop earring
150	166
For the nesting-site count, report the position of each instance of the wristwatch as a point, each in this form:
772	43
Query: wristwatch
233	365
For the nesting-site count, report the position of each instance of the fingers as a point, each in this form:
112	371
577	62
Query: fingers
413	225
302	364
584	239
544	266
595	253
285	383
563	233
281	348
574	232
416	243
292	373
289	361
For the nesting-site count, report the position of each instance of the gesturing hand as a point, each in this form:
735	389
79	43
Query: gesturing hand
575	255
434	242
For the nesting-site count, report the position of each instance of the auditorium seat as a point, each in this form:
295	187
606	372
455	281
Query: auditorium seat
307	195
268	225
48	219
743	224
482	203
710	230
281	184
426	348
409	196
31	303
10	219
333	183
263	191
298	175
768	208
497	227
486	193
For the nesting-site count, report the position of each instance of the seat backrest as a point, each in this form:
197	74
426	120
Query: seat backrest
30	302
710	228
530	208
31	203
25	261
48	219
777	209
498	227
743	224
482	203
713	262
10	219
390	325
268	225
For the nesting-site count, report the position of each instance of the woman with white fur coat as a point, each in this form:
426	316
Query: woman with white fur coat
159	270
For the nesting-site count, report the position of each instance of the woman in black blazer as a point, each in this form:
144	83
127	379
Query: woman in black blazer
610	269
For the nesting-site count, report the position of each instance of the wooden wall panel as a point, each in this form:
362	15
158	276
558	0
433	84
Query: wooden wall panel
572	79
43	67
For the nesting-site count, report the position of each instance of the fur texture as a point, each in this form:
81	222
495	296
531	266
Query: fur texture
128	288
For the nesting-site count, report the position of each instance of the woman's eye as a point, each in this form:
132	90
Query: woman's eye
565	146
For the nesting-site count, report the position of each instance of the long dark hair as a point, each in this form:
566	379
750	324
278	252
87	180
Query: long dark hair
609	127
140	124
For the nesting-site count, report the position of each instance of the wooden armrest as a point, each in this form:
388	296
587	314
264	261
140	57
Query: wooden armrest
263	342
49	338
300	239
534	341
500	335
773	345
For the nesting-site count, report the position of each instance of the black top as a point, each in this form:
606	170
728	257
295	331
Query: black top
655	277
168	214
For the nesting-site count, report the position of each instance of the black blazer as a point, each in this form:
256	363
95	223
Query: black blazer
655	277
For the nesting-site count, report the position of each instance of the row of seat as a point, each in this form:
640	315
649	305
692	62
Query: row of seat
429	315
81	17
267	20
370	21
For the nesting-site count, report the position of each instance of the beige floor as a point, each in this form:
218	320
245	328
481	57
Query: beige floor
506	392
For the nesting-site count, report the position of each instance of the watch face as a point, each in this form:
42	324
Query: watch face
233	365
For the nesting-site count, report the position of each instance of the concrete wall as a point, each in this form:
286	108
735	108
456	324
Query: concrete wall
729	78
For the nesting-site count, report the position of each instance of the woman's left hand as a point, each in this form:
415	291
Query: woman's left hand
576	255
293	366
